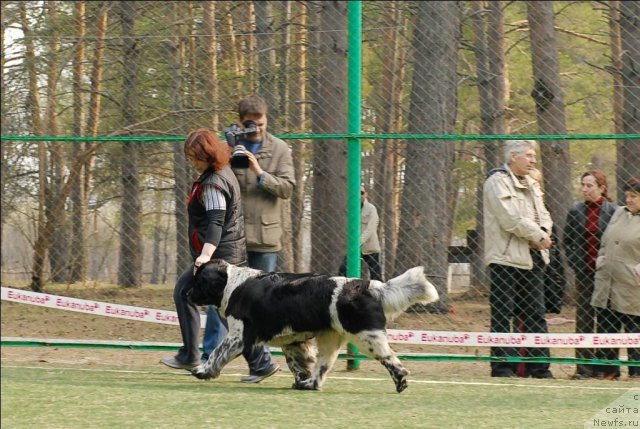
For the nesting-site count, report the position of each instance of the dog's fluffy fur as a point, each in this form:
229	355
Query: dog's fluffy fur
291	310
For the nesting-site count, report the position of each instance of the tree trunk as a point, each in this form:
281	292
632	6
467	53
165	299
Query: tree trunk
425	208
616	61
629	149
93	120
265	56
483	78
382	196
328	92
281	108
3	114
489	48
232	46
78	258
488	29
33	98
618	95
193	61
59	245
285	69
94	108
44	234
250	71
394	161
182	176
211	63
550	112
130	262
298	110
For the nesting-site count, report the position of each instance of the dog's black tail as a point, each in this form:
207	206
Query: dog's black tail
403	291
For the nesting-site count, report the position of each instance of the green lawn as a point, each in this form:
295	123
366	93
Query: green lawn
68	397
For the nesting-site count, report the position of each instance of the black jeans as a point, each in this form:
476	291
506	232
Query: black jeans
517	297
612	322
585	317
372	261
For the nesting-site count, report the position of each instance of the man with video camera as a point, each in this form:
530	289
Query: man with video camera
263	166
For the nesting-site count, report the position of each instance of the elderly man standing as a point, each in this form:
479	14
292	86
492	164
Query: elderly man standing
517	237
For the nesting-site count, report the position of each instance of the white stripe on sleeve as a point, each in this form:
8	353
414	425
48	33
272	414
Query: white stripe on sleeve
213	199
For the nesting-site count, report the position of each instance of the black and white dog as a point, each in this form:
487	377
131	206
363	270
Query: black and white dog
290	310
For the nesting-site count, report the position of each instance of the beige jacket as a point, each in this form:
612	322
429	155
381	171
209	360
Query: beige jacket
616	283
509	219
369	229
262	203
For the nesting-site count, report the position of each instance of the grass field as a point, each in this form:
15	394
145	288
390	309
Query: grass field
57	387
55	394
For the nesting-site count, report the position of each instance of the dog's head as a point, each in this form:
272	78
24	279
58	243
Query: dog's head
209	283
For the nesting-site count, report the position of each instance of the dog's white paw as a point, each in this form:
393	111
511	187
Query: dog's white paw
201	372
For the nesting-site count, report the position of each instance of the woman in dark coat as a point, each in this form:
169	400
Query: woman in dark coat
216	230
585	223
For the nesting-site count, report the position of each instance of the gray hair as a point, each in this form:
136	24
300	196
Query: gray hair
519	147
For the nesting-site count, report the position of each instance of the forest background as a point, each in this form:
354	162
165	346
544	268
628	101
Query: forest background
97	97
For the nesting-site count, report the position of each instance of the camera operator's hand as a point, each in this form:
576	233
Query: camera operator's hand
253	164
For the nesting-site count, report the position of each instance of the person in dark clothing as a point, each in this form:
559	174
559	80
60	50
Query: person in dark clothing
585	223
216	230
555	282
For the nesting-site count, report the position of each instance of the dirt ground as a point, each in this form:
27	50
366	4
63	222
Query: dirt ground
28	321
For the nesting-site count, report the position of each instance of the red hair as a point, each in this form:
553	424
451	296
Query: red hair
601	180
206	146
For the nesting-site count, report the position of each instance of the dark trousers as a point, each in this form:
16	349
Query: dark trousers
585	317
189	318
517	296
372	261
612	322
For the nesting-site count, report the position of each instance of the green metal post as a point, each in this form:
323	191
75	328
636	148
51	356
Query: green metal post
353	152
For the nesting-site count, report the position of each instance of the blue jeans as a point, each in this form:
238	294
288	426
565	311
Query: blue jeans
259	358
214	332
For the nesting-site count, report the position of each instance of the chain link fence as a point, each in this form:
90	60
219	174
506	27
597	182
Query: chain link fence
125	81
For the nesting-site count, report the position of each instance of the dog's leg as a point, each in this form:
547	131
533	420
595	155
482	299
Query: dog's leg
229	349
328	344
375	345
301	358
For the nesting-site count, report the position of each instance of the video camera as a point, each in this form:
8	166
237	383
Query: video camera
235	135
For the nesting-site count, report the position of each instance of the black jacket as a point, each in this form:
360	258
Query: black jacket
555	282
232	246
574	237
